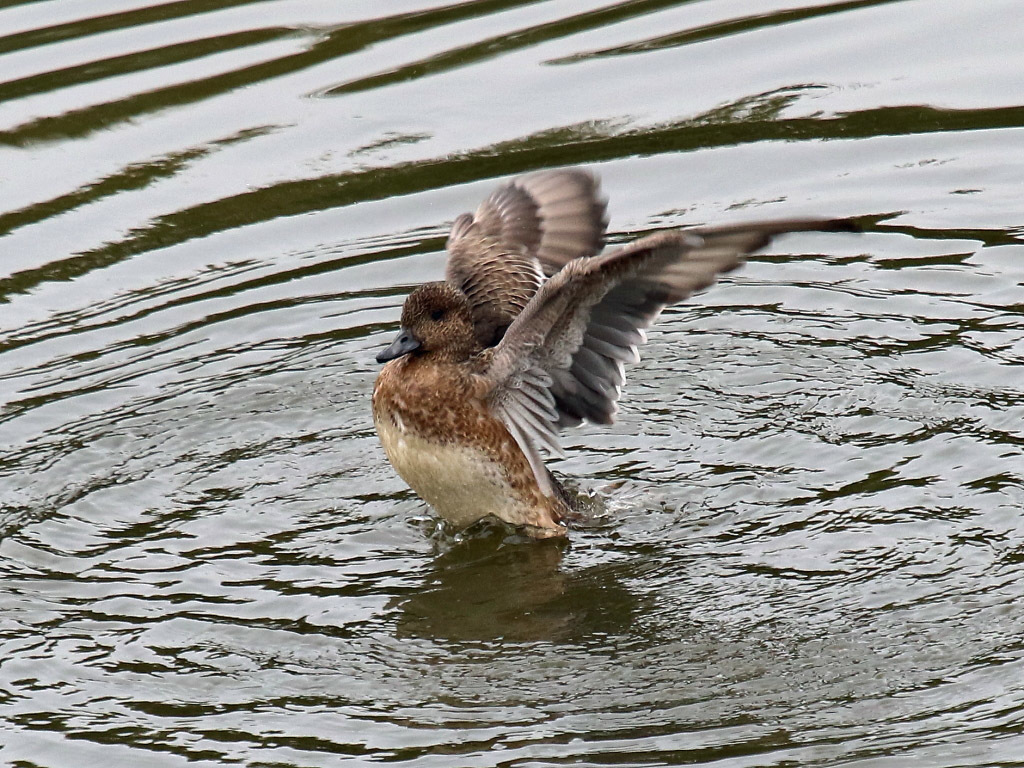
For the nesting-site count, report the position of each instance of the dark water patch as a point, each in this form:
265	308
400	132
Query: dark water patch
489	48
719	30
326	45
135	17
302	196
135	62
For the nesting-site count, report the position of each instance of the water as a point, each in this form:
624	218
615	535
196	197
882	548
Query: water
811	550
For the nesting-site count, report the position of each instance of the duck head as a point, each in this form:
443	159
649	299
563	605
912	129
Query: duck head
436	320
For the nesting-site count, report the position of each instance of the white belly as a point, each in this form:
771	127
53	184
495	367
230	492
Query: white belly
462	485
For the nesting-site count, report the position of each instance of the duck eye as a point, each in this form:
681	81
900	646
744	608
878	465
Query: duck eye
437	314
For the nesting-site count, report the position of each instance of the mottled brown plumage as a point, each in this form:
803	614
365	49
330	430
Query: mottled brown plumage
491	364
430	407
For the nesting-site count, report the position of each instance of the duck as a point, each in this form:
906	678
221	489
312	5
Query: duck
529	334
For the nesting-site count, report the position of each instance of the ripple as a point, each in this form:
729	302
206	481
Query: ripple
808	545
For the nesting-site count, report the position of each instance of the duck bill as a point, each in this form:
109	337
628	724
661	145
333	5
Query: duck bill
403	344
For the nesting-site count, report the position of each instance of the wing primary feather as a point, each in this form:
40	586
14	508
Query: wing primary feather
627	354
540	472
542	407
538	429
604	368
618	337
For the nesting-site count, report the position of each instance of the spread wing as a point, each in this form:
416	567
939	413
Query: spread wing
562	359
525	230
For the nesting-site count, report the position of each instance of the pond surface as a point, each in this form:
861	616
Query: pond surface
810	550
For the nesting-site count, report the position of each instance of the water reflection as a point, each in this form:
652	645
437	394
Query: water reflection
497	586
